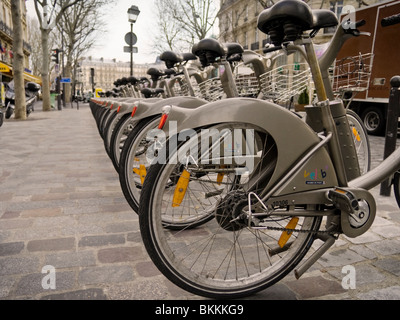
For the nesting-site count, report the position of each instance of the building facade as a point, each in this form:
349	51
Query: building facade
106	72
6	40
238	20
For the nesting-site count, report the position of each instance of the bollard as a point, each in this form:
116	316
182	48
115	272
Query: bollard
393	114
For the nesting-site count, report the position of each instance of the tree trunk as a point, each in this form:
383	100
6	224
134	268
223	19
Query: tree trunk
45	70
18	61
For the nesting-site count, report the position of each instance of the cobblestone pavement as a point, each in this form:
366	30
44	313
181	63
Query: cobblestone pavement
61	205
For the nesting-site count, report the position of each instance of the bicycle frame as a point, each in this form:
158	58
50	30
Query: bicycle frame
301	148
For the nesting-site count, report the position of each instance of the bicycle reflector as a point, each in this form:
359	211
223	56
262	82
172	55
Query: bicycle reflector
164	116
181	188
133	111
119	109
285	236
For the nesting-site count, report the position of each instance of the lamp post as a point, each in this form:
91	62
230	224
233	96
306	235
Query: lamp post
133	13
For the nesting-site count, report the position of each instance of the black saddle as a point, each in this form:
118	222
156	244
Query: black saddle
288	19
209	50
132	80
155	73
171	58
148	93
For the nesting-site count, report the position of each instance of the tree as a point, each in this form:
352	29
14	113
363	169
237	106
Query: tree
78	26
18	61
192	20
44	12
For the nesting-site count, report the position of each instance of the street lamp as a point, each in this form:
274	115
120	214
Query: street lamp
133	13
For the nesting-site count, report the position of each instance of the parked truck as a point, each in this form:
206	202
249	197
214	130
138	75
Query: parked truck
378	56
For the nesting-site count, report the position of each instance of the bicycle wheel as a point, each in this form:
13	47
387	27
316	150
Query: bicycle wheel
361	141
134	163
228	255
122	129
396	187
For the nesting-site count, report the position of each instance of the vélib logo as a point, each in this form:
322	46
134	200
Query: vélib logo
316	176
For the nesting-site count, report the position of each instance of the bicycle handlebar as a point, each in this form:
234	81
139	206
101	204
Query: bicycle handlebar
389	21
271	49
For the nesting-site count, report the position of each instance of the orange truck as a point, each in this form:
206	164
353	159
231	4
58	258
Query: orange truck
382	49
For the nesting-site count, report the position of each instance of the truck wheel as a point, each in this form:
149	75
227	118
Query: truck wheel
374	121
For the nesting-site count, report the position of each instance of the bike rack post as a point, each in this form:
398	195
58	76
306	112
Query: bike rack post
391	128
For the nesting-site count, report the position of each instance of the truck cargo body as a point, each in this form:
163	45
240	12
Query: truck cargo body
384	44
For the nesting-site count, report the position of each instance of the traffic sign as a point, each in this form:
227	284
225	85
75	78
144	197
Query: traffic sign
65	80
128	49
130	39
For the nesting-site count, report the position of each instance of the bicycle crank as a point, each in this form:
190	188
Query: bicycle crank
358	210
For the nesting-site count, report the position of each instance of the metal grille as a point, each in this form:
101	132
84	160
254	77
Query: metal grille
211	89
247	85
283	83
352	73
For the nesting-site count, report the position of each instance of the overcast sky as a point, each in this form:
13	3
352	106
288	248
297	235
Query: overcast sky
110	44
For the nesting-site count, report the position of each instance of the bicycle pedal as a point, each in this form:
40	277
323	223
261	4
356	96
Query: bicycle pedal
343	200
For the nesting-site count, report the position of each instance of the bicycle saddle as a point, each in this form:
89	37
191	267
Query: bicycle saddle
155	73
170	58
133	80
170	72
287	19
188	56
148	93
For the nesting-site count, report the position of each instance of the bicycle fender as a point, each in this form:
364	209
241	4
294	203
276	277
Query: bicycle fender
292	135
145	109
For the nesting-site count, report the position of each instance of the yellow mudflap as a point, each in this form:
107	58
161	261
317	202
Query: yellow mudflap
181	188
142	172
285	236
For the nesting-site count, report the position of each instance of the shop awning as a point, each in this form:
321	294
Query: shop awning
7	70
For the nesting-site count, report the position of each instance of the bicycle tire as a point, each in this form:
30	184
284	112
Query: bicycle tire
218	241
396	187
361	140
118	137
129	180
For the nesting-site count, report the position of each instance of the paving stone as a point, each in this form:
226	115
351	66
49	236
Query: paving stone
42	212
340	257
391	265
385	247
6	284
122	254
311	287
71	259
51	244
102	240
7	249
147	269
88	294
389	231
389	293
106	274
16	265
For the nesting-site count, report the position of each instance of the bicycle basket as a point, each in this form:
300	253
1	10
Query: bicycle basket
352	73
283	83
247	85
211	89
181	87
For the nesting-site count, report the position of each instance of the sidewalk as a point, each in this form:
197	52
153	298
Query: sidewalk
61	205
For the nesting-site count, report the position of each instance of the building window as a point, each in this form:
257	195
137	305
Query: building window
336	7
